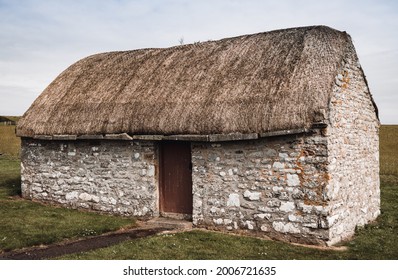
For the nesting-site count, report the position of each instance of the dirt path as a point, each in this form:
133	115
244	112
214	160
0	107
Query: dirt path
71	247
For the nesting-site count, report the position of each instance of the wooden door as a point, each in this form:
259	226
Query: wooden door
175	178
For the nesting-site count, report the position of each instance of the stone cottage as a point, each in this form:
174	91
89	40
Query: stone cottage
272	134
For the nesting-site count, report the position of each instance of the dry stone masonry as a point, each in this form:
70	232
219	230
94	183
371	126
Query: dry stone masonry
353	153
273	186
110	176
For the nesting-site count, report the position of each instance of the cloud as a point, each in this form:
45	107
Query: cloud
39	39
15	97
381	71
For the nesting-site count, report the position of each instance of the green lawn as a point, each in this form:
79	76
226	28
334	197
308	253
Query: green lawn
9	144
389	150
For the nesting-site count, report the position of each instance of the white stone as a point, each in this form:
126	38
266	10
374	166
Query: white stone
230	172
227	221
85	196
249	225
263	216
265	209
340	229
278	165
264	228
112	201
252	195
218	221
277	189
292	218
71	153
285	228
293	180
283	155
308	209
197	203
71	195
37	189
136	155
233	200
320	210
151	171
76	179
311	225
222	173
287	206
331	220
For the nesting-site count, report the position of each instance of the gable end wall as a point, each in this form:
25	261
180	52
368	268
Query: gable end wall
353	141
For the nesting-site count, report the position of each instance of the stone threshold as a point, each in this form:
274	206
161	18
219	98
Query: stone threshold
168	223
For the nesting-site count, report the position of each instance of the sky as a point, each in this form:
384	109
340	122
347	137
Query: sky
39	39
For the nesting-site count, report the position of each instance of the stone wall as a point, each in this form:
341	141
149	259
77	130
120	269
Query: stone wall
312	188
109	176
273	187
353	140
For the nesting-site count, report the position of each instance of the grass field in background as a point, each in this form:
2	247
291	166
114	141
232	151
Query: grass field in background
25	223
389	150
9	144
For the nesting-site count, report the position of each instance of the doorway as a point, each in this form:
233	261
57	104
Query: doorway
175	180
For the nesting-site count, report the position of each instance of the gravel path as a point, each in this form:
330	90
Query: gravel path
71	247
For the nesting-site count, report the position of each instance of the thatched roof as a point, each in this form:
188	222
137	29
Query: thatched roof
249	84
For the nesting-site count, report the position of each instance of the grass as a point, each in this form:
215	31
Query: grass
197	245
25	223
389	150
9	143
13	118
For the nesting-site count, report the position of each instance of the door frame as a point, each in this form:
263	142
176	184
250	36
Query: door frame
161	182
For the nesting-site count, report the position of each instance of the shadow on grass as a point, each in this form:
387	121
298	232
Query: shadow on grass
12	187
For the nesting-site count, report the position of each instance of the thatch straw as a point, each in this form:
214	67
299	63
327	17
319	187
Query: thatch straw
249	84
